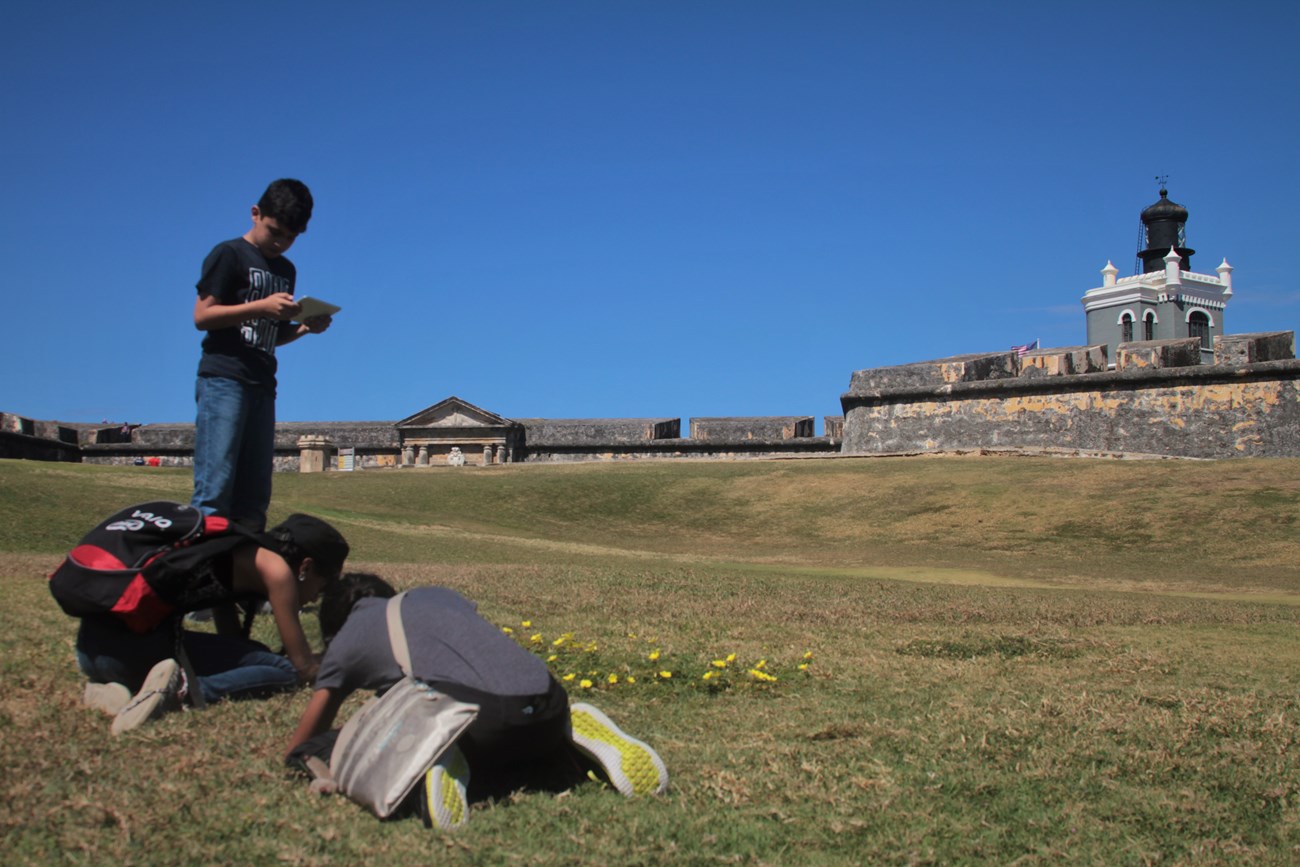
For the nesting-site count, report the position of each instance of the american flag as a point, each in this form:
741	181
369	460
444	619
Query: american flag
1027	347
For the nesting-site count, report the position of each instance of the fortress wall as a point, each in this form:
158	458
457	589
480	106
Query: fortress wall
546	432
739	429
1200	411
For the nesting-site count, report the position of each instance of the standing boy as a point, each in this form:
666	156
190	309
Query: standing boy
246	309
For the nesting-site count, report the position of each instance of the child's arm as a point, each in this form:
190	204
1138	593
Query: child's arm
264	572
210	314
318	716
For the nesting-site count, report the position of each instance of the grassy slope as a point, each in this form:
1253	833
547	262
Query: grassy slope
1086	662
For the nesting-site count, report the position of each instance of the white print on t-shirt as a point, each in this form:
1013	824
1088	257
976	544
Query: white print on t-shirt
261	333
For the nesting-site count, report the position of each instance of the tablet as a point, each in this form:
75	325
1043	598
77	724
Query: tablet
315	307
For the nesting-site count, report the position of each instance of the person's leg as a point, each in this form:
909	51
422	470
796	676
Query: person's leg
218	438
111	653
231	667
251	494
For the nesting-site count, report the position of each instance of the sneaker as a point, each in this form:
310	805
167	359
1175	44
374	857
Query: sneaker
161	693
630	765
444	792
108	698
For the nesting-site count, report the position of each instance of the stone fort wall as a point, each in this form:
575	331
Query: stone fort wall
1159	399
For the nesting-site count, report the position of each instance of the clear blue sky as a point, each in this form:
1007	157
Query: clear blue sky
620	208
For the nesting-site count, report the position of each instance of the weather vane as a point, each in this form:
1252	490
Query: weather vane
1163	180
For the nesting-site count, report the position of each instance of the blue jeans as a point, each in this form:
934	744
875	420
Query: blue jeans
234	449
227	666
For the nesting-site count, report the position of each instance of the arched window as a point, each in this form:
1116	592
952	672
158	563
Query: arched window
1149	326
1126	328
1198	325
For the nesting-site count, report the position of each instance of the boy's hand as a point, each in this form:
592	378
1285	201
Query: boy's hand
317	324
280	306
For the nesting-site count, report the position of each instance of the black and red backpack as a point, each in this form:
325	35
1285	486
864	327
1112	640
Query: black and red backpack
146	563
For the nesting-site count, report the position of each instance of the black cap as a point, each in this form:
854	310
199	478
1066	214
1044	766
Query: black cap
317	540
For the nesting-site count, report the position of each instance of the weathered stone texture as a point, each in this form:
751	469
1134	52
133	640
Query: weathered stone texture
731	429
1249	348
1203	411
546	432
958	368
1183	352
1064	361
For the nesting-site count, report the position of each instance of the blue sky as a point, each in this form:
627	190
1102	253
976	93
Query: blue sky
622	208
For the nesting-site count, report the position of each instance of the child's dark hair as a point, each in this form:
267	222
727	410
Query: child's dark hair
338	597
300	536
289	203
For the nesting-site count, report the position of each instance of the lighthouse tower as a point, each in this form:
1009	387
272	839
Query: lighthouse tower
1165	299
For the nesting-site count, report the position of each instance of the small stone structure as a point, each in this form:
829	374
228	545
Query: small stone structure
314	454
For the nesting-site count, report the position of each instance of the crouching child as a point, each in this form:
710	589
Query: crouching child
525	736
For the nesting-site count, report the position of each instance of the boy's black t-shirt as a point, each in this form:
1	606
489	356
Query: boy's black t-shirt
236	272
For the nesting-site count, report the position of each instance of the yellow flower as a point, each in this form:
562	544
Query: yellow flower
526	624
536	638
762	675
803	666
654	655
584	683
719	663
631	679
808	655
568	677
665	674
731	657
552	657
507	630
762	664
708	675
557	642
613	679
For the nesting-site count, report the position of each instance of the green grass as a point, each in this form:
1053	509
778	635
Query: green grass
1012	660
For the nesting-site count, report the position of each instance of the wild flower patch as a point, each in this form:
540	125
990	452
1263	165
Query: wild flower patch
639	661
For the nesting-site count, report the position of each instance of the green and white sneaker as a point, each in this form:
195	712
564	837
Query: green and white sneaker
445	804
161	692
631	766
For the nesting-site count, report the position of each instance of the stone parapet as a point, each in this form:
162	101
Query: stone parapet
1064	361
760	428
958	368
686	448
544	432
1181	352
1249	348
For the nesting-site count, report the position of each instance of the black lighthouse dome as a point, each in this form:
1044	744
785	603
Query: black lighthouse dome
1165	226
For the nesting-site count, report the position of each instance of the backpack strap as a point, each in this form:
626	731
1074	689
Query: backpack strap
397	635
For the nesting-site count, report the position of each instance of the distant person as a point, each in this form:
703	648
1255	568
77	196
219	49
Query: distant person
525	734
308	556
246	307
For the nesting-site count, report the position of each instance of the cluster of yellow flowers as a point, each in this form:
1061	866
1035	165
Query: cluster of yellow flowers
587	665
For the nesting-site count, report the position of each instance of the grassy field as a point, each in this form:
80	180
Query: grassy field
997	660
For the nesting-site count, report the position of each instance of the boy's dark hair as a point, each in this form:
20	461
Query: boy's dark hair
300	536
338	598
289	202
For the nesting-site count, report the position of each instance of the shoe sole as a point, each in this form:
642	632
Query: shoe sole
156	697
630	765
107	698
445	787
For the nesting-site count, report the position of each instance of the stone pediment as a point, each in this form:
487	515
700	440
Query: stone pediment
454	413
